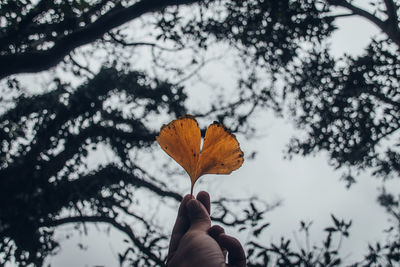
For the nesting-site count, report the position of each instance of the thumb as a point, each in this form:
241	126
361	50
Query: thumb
198	215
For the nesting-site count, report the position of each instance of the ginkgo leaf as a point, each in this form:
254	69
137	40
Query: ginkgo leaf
221	153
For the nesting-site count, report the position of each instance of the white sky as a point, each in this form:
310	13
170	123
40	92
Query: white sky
310	189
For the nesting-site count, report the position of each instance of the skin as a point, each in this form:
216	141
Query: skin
195	243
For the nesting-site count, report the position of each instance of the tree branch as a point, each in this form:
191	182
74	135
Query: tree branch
339	16
123	43
80	66
391	11
385	26
392	21
108	175
42	60
358	11
73	142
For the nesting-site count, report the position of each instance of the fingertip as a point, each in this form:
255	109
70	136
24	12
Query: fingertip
204	198
187	197
203	194
215	231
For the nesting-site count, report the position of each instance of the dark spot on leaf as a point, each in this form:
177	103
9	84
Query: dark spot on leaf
222	164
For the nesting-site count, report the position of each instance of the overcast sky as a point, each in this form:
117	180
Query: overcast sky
309	187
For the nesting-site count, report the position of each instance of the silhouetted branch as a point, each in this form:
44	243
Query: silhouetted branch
358	11
108	176
250	213
80	66
154	45
391	11
41	60
340	16
390	27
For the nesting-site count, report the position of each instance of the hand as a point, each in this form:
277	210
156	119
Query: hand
195	243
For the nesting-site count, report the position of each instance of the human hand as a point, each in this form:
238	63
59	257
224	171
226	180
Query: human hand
195	243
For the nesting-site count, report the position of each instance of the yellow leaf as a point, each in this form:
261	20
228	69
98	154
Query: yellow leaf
221	153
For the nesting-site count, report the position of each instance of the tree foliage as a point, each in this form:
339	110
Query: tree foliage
347	106
41	180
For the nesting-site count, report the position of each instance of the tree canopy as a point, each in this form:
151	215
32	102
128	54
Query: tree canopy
98	92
